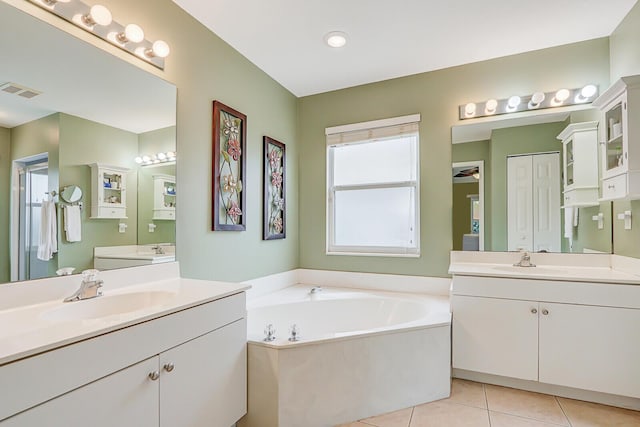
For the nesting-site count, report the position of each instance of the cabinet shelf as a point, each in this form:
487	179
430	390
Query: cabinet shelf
108	194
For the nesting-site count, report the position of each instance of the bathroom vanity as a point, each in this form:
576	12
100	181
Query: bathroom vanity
154	350
568	326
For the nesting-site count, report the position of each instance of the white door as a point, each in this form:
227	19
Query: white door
125	398
533	203
495	336
546	202
591	348
519	203
206	384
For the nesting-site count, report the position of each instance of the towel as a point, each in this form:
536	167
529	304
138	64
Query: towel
576	211
72	223
568	222
48	240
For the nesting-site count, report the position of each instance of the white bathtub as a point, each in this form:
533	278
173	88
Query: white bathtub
359	354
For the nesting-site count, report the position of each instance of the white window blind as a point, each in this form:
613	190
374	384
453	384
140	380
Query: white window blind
372	181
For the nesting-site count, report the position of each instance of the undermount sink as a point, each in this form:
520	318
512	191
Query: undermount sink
105	306
529	270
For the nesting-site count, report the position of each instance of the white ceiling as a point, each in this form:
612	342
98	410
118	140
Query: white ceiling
389	39
75	78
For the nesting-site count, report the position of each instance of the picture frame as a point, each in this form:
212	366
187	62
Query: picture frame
274	192
228	169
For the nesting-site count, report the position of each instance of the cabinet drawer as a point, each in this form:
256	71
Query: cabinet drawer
108	212
615	187
164	214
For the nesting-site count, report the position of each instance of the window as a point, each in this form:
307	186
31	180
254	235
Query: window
372	188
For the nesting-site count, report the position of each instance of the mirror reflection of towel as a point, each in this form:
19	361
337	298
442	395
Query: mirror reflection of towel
72	223
48	241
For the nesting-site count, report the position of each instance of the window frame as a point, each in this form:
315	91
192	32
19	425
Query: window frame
332	189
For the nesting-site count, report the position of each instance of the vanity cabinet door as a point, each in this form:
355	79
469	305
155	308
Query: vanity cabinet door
495	336
592	348
125	398
204	381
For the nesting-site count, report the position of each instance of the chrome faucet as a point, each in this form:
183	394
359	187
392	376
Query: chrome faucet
159	250
315	290
525	260
89	287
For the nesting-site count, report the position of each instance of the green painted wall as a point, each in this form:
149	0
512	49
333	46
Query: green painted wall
36	137
623	44
461	214
625	61
83	142
436	95
5	194
160	140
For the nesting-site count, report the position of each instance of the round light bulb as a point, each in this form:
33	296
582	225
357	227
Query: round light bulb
470	109
162	156
562	95
491	105
537	98
138	160
99	15
133	33
514	101
160	49
146	159
588	91
171	154
336	39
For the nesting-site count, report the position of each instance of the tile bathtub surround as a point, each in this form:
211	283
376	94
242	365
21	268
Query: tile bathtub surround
474	404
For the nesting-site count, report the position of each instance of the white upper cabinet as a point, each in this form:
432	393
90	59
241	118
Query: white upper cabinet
164	197
580	164
620	139
108	191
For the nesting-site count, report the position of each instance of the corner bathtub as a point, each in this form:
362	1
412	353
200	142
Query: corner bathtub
359	354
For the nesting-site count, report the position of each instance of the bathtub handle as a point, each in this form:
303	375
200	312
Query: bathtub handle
269	333
534	311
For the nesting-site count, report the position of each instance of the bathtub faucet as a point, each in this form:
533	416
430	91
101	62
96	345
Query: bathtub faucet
295	333
315	290
269	333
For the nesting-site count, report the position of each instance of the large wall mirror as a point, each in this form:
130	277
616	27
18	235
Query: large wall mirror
66	105
485	212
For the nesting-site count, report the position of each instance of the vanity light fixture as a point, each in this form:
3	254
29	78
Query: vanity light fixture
97	20
539	100
154	159
335	39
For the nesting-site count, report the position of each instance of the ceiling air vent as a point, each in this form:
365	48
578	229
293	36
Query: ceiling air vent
16	89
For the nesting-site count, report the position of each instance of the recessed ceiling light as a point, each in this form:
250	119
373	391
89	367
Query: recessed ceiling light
335	39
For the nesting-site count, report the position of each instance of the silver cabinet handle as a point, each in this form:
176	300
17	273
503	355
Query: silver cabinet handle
153	376
611	186
534	311
169	367
545	311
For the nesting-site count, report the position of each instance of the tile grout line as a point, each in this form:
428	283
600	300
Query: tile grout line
563	412
411	416
486	403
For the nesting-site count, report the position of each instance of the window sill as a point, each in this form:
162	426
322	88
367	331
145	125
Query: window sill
375	254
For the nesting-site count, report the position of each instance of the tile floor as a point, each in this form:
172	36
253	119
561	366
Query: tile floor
474	404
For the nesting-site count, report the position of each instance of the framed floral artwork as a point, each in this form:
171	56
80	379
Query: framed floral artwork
229	168
274	213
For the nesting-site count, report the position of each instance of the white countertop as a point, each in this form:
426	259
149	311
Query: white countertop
25	330
570	273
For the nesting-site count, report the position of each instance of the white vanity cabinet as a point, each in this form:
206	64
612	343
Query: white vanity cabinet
164	197
620	139
108	191
183	369
572	334
580	164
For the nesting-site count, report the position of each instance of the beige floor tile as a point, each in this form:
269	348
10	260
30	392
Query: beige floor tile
468	393
446	414
525	404
504	420
399	418
585	414
355	424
